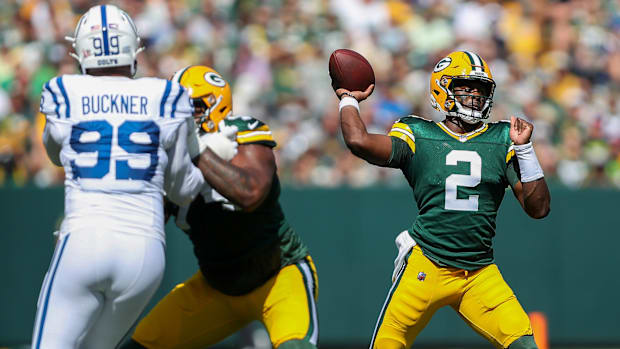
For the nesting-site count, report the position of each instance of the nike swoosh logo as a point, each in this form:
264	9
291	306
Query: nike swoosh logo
253	125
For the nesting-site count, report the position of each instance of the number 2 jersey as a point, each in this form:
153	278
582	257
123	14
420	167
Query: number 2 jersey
122	143
238	251
458	183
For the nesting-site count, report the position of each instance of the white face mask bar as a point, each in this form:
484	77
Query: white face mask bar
469	115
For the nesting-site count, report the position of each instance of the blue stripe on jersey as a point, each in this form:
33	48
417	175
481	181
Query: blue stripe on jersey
174	104
47	87
164	99
104	30
49	290
61	86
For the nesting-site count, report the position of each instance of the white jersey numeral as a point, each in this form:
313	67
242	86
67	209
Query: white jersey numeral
455	180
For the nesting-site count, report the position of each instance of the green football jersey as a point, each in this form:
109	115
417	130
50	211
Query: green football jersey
458	183
238	251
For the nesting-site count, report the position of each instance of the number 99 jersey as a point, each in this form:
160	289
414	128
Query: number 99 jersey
114	135
458	183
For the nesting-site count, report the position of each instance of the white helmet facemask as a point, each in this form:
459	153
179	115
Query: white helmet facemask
467	114
105	37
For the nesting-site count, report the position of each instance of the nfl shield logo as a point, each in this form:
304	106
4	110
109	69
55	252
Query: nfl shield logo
421	276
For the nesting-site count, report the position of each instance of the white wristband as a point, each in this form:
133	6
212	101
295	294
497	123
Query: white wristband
528	163
346	100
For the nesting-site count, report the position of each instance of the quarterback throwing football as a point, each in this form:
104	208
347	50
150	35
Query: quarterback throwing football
458	170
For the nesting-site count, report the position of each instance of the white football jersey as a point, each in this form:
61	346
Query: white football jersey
115	137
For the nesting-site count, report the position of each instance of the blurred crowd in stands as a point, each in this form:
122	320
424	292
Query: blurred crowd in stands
556	63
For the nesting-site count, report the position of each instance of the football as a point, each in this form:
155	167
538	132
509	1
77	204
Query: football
350	70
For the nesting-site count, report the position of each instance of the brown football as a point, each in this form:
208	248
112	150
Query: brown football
350	70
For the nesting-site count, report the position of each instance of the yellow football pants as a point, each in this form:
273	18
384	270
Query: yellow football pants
195	315
482	298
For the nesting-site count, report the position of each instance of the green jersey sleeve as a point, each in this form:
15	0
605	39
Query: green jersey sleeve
251	131
512	172
401	153
403	144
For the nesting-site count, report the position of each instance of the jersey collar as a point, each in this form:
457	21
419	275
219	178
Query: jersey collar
462	137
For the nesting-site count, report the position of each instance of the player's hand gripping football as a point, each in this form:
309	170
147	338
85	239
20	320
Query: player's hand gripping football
359	95
520	130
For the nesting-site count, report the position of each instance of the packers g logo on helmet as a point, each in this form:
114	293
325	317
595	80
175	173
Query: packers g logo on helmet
210	93
461	66
443	64
214	79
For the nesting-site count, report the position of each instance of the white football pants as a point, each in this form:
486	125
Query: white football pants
97	285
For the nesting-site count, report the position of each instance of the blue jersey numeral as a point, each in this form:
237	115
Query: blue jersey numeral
103	146
123	170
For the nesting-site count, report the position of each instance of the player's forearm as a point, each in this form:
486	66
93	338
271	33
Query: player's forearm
52	147
373	148
232	182
536	199
353	130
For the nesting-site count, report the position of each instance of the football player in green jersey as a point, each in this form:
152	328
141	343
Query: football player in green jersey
458	170
253	266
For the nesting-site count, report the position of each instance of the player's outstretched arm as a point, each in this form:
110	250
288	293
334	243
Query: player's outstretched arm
374	148
531	191
246	179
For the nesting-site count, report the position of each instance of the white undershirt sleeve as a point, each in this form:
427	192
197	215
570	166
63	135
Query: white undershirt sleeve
53	145
183	180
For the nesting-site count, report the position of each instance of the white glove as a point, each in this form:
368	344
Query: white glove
223	142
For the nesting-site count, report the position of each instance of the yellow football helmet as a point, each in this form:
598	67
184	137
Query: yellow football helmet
209	92
459	68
